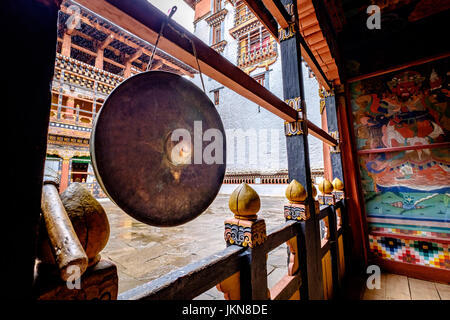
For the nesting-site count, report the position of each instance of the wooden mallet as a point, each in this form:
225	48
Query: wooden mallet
66	246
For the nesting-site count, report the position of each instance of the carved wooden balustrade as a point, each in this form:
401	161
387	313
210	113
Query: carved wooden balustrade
240	270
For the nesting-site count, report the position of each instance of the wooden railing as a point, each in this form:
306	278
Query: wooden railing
240	271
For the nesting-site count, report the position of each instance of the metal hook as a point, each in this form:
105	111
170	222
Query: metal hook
163	25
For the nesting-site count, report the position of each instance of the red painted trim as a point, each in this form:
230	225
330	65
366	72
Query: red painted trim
352	180
400	67
409	237
395	149
413	270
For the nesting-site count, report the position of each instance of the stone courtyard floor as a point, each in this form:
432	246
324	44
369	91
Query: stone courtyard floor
143	253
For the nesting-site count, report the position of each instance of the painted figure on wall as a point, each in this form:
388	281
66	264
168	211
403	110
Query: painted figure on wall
405	108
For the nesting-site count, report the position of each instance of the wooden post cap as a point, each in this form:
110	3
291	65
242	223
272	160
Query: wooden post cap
244	202
295	192
325	186
338	184
314	190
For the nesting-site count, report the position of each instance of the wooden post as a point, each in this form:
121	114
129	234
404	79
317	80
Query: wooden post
66	44
101	46
297	210
246	230
60	95
297	144
333	130
354	204
30	27
64	180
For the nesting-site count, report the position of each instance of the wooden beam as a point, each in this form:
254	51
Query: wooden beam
66	44
320	134
144	20
105	43
126	41
406	148
279	12
264	16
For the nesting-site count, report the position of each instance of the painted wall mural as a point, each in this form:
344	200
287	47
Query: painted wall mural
409	189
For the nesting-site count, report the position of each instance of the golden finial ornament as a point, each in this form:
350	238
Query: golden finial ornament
295	192
325	186
314	190
338	184
244	202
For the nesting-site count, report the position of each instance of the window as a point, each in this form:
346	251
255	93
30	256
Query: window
260	78
216	97
217	5
255	45
217	34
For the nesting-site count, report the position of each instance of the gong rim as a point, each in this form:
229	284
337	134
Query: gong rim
201	107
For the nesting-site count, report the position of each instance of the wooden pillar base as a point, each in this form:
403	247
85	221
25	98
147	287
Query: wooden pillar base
245	233
100	282
327	199
296	211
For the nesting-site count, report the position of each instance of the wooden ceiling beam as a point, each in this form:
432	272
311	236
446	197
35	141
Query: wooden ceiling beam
265	17
125	41
144	20
279	12
105	43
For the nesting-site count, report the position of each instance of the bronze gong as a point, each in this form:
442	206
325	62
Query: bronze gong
131	149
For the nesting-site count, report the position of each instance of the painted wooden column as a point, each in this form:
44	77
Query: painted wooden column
297	145
70	110
30	26
355	211
64	180
66	44
249	231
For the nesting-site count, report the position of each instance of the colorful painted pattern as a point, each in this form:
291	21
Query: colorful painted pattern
420	252
415	233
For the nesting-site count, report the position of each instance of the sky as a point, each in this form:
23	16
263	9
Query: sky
184	15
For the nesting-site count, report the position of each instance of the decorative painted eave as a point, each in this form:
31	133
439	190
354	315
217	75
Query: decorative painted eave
245	27
217	18
314	37
219	46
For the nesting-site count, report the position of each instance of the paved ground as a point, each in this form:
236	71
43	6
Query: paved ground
143	253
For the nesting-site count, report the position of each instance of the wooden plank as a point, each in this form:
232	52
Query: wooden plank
443	290
190	281
277	236
414	270
286	287
397	287
422	290
327	276
376	294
